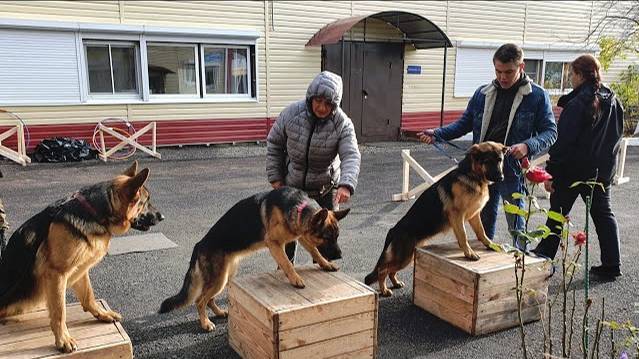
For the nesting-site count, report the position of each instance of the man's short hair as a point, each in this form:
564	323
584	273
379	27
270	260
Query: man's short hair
509	52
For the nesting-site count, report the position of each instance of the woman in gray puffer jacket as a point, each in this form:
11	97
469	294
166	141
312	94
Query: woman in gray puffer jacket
312	146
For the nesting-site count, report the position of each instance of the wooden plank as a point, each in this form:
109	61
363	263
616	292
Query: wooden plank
76	326
85	344
38	319
508	302
273	294
326	311
88	330
358	354
293	338
451	286
333	347
506	320
250	336
439	266
438	303
488	292
490	260
259	311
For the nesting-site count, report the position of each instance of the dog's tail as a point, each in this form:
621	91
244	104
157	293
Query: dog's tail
186	294
372	276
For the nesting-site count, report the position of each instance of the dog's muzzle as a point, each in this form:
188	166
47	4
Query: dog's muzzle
146	220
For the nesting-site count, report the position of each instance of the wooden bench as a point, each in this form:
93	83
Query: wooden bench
334	316
29	336
477	296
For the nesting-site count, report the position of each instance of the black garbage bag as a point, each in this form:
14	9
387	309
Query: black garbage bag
63	149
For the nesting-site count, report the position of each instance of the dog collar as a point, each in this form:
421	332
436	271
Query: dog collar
300	208
85	204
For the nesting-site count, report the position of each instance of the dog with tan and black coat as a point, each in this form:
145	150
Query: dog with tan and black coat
456	198
265	220
56	248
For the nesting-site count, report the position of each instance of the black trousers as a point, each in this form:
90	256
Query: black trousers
330	251
604	220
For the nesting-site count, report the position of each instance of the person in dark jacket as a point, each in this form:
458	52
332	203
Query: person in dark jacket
590	131
511	110
312	146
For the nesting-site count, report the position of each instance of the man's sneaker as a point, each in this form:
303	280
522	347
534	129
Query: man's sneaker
606	272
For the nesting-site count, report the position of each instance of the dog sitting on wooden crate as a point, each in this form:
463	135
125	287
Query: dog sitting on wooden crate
457	197
265	220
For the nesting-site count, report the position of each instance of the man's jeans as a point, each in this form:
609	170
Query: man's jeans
498	191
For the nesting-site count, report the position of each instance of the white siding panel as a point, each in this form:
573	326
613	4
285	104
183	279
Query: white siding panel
38	67
487	20
473	68
86	11
557	21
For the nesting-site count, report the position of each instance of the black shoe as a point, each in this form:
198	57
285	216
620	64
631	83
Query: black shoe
606	272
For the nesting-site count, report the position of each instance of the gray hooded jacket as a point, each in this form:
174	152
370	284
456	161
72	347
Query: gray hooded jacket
305	152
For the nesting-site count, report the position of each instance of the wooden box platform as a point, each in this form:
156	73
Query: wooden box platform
334	316
477	296
29	336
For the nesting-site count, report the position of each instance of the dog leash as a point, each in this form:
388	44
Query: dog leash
439	148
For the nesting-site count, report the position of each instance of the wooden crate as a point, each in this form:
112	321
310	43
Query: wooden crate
334	316
477	296
29	336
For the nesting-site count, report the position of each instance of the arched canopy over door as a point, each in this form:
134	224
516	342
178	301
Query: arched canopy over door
373	70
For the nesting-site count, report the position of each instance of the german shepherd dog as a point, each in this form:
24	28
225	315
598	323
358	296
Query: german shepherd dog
459	196
57	247
265	220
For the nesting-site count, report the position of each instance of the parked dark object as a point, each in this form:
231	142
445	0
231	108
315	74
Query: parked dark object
63	149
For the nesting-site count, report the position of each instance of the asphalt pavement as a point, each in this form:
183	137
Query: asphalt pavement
193	186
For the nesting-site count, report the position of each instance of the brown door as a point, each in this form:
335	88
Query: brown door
373	76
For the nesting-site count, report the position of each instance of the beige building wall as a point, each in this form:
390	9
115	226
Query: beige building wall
285	66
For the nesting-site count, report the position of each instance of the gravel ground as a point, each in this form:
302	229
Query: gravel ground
193	186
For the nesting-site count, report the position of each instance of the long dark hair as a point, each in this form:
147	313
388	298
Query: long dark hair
590	69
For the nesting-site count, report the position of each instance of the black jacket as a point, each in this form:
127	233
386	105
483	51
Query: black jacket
586	143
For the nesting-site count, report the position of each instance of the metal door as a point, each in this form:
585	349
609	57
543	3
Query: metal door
373	76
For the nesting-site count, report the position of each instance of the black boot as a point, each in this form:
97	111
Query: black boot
606	272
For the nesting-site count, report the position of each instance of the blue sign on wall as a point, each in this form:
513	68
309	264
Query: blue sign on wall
414	69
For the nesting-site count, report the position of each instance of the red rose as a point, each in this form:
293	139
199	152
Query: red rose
525	163
538	175
580	238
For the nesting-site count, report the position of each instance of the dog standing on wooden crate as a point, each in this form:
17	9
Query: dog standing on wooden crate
457	197
265	220
57	247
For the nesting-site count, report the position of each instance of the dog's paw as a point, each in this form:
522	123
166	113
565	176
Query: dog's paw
66	343
208	326
222	314
109	316
330	267
386	292
297	282
399	284
472	256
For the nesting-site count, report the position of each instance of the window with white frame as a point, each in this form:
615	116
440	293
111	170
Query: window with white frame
172	69
226	70
556	79
112	67
533	69
74	63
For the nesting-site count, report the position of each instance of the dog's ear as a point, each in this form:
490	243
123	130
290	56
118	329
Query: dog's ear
131	171
134	183
341	214
319	217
